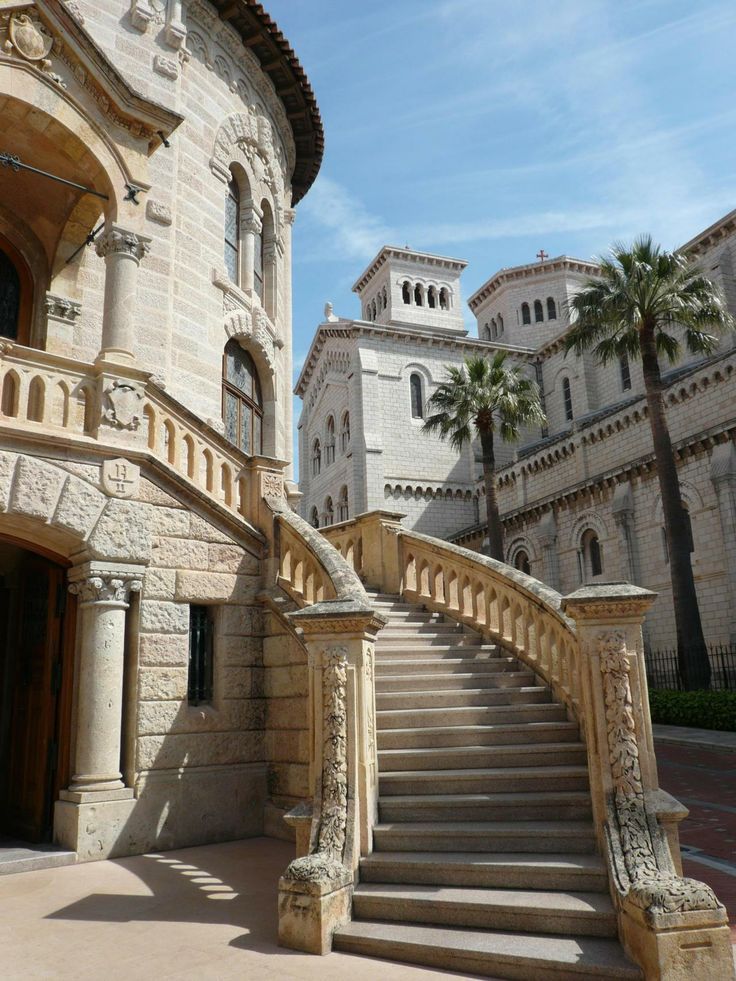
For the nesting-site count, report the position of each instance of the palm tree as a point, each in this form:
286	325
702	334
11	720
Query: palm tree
485	398
649	303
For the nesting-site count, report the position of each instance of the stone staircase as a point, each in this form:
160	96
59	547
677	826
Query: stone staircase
485	859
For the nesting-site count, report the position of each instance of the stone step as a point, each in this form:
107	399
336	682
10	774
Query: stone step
488	735
431	642
420	682
529	957
407	653
445	665
514	693
526	911
20	856
473	757
485	781
431	628
553	805
519	870
485	836
543	710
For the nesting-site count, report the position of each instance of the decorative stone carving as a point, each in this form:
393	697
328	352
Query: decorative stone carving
30	39
60	308
123	402
119	241
315	868
6	347
168	67
640	877
158	211
121	478
272	485
106	587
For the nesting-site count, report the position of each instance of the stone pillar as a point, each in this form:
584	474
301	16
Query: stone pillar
122	251
672	927
316	890
379	542
251	224
548	544
90	814
723	476
622	508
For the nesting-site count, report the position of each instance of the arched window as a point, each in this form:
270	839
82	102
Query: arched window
521	562
314	518
419	295
242	404
551	309
406	292
485	333
592	554
329	515
330	441
500	324
444	299
623	364
494	329
316	457
268	262
431	297
345	432
342	504
567	398
538	311
417	402
526	317
385	298
232	231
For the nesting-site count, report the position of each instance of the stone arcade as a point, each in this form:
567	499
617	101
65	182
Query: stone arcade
183	659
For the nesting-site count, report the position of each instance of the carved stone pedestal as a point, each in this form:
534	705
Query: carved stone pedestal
311	908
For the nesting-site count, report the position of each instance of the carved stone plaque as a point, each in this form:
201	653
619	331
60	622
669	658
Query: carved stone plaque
120	478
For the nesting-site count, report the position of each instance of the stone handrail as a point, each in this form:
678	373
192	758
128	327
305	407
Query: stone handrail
588	647
337	626
45	394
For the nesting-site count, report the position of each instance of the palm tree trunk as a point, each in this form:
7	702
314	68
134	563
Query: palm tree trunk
495	531
692	653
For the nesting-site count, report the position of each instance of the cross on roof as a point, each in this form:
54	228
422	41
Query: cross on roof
542	255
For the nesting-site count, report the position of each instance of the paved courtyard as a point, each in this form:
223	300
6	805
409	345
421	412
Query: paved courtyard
210	912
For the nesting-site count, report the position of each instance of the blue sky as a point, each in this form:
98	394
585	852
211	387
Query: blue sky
486	130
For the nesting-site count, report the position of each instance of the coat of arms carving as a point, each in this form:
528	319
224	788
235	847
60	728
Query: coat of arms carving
123	404
29	38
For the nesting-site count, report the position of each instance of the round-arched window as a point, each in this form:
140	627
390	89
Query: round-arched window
242	403
521	562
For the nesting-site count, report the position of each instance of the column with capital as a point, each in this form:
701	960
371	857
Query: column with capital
90	814
251	226
122	251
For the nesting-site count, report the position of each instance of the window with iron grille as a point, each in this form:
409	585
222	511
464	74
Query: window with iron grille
199	688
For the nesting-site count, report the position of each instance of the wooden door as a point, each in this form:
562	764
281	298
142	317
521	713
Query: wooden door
35	648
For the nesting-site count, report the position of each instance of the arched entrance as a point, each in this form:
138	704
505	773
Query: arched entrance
37	621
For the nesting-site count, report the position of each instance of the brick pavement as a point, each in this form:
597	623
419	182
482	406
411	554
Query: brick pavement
705	781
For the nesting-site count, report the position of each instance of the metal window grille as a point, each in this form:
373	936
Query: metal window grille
199	689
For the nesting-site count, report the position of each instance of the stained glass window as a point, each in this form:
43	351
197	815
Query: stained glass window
242	407
232	215
9	298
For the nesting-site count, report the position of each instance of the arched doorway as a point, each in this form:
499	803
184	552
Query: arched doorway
37	621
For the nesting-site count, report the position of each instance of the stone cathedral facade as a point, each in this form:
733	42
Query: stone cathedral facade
580	500
154	152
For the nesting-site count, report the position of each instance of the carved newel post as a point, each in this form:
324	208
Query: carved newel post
90	812
675	928
315	892
122	251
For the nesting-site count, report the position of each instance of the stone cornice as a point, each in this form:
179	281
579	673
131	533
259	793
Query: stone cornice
406	255
720	229
530	270
261	35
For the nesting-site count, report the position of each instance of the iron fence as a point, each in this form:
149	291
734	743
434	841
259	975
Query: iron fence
663	670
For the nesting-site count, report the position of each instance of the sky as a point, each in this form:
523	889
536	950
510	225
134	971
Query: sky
488	129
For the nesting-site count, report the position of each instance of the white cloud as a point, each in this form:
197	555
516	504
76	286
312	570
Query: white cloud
346	228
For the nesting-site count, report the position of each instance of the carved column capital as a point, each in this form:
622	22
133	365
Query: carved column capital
251	222
120	241
111	585
289	215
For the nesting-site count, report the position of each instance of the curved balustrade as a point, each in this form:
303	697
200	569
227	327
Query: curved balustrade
500	602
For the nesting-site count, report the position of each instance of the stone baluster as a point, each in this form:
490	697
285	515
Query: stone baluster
316	889
672	927
122	251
